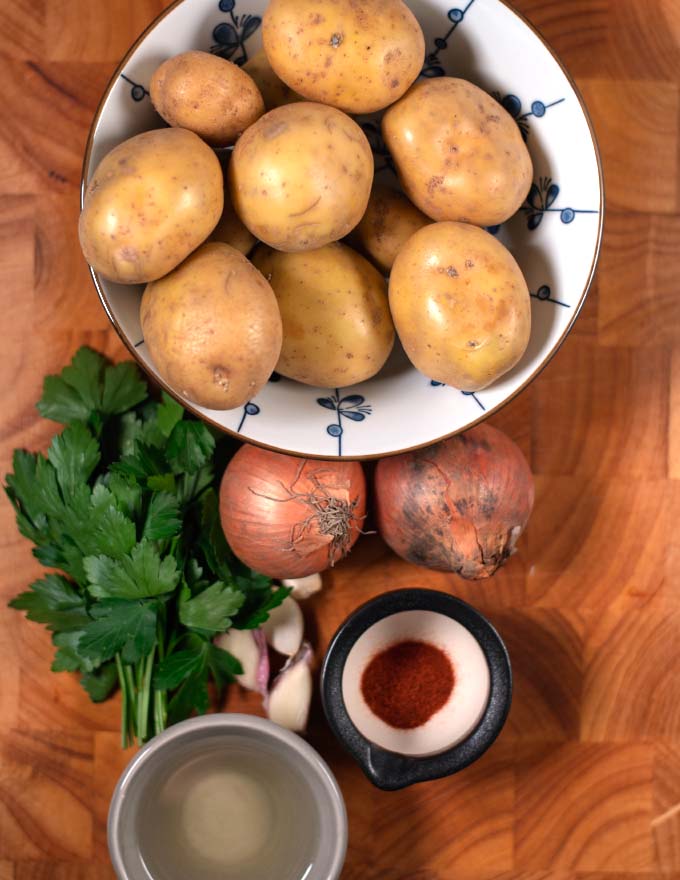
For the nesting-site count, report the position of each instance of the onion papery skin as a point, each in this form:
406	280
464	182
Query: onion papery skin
276	511
458	506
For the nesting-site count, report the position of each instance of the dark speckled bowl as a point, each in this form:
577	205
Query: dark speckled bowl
390	770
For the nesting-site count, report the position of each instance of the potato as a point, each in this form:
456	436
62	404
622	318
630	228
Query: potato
151	201
231	230
460	305
359	56
213	327
459	154
337	328
273	90
300	177
390	220
206	94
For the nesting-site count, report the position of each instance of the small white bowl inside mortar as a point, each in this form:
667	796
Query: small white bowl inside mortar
463	709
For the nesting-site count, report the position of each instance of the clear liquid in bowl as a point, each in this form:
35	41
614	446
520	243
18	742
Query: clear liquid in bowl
229	814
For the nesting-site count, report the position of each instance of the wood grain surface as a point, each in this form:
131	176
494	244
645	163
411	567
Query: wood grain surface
584	782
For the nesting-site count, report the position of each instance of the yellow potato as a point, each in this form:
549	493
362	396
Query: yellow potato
300	177
273	90
359	55
206	94
390	220
460	305
337	328
151	201
231	230
213	327
459	154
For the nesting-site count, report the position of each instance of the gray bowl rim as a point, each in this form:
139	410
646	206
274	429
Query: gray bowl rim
229	722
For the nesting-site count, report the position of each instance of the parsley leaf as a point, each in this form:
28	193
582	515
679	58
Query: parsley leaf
69	657
190	447
145	461
54	602
169	414
162	517
97	525
119	625
162	483
73	454
138	575
172	671
100	682
223	665
88	389
123	388
212	609
26	501
34	494
127	494
259	614
211	539
84	375
192	696
62	403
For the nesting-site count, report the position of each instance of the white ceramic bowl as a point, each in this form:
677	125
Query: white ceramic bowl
555	237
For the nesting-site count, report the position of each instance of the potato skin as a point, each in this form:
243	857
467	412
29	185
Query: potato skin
460	305
390	220
231	230
206	94
358	55
150	202
274	91
213	327
300	177
459	154
337	329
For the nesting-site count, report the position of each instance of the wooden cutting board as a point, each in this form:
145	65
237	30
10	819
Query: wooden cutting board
584	782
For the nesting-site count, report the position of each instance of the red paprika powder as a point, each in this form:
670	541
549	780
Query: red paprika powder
406	683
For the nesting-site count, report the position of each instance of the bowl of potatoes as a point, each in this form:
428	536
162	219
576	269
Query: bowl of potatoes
342	228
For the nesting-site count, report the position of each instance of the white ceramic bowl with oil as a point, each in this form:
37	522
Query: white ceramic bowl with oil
555	237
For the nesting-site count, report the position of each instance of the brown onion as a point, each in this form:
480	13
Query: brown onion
288	517
459	505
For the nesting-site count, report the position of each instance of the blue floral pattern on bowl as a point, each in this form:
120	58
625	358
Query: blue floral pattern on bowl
352	407
230	36
472	394
433	66
540	201
513	105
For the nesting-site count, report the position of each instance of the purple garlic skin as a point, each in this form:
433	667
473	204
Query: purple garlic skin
290	695
249	646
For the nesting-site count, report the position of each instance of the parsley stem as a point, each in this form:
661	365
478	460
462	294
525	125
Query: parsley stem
132	708
157	712
144	697
124	723
159	697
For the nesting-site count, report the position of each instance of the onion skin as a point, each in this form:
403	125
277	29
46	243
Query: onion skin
279	535
457	506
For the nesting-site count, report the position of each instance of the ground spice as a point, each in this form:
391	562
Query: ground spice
408	682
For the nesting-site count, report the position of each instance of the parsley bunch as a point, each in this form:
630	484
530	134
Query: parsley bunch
125	506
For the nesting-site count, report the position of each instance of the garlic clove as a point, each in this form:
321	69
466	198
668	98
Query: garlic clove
249	646
304	587
285	627
290	695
